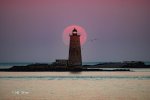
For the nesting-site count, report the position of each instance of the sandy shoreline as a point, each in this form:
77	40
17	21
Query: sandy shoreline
75	90
107	89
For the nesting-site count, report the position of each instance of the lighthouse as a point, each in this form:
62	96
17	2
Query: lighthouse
75	58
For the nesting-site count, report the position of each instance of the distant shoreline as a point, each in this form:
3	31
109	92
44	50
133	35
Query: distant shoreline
108	66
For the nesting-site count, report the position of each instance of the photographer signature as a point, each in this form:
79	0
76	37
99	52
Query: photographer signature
20	92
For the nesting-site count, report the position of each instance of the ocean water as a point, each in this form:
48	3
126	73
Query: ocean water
75	77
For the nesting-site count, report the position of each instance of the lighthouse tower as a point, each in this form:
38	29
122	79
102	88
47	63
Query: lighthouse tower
75	58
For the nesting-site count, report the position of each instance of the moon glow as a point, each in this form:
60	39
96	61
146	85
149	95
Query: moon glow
68	31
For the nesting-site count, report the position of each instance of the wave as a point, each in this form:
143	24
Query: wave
74	77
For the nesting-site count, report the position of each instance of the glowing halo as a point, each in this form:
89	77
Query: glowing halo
68	31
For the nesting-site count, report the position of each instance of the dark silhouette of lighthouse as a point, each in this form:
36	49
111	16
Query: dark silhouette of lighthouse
75	58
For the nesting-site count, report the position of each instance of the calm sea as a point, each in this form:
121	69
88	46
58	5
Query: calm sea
74	77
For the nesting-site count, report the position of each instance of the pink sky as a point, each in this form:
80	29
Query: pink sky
31	30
